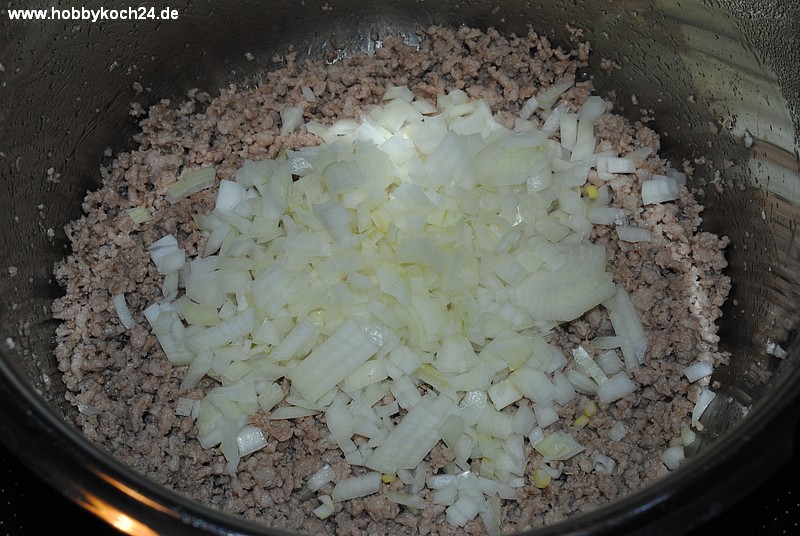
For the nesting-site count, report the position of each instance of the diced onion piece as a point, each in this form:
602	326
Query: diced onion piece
357	486
139	215
698	370
167	255
184	407
588	364
549	96
123	312
545	415
558	446
463	510
592	109
308	93
411	440
250	439
332	361
672	457
581	382
191	182
703	401
660	189
603	464
541	478
627	325
406	499
565	294
609	362
528	108
320	478
326	509
291	118
631	233
607	215
618	386
617	431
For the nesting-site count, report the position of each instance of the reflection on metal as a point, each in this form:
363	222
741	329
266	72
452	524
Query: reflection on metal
132	493
115	517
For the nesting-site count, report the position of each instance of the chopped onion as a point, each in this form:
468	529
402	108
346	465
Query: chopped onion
139	214
609	362
291	118
558	446
603	464
672	457
420	254
703	401
618	386
184	407
167	255
660	189
607	215
627	325
357	486
631	233
617	431
698	370
406	499
588	364
123	312
191	182
320	478
326	509
308	93
250	439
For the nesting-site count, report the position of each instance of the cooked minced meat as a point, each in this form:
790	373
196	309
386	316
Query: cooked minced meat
126	390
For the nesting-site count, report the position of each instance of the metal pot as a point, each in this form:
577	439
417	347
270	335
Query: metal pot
721	77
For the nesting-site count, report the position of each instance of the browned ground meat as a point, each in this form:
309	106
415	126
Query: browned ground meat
126	390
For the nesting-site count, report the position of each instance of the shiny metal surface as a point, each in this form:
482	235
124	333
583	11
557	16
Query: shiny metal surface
722	79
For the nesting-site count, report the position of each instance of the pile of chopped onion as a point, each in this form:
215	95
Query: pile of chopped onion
423	253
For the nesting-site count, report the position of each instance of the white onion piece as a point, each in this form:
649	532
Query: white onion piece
627	325
123	312
698	370
250	439
558	446
618	386
609	362
617	431
184	407
326	509
308	93
607	215
603	464
660	189
191	182
631	233
167	255
406	499
291	118
320	478
357	486
703	401
672	457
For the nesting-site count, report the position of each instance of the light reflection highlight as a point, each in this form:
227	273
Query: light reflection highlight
115	517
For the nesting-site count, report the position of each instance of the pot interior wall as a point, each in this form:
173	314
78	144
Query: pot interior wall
705	73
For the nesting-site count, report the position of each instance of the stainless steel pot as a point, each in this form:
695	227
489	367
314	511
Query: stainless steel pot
722	77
